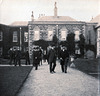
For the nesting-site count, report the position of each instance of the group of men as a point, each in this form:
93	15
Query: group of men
63	56
37	57
15	56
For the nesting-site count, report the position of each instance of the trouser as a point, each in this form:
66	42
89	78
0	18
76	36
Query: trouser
52	66
14	60
64	64
40	63
27	61
36	66
36	63
10	60
17	61
64	67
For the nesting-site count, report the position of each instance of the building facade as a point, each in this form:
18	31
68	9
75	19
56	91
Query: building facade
45	27
24	34
98	40
12	36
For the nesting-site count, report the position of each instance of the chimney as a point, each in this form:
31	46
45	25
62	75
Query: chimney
32	16
55	10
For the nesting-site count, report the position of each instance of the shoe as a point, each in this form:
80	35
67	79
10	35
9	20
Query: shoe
65	72
53	71
62	71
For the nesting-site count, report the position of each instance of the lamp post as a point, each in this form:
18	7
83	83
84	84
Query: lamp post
57	35
20	38
57	30
57	39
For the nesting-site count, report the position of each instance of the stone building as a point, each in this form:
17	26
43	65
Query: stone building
45	27
97	31
14	35
24	34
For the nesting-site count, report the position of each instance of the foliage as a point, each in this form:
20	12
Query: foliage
55	39
41	43
71	43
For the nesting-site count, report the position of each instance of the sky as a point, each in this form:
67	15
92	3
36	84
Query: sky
21	10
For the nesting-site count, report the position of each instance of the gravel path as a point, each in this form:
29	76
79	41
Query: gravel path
75	83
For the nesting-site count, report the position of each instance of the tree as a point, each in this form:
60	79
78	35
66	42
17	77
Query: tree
41	43
71	43
55	39
82	44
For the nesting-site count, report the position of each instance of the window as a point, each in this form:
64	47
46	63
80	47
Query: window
98	31
15	37
25	36
1	51
1	35
36	35
50	35
63	35
77	33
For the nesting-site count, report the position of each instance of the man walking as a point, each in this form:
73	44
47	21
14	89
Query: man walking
40	50
18	56
64	57
52	59
10	52
36	57
27	58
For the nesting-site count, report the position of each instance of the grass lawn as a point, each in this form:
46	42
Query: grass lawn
12	78
89	66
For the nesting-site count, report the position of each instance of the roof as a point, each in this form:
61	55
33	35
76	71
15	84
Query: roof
44	18
19	23
98	25
58	18
96	19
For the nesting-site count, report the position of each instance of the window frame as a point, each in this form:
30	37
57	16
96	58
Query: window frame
36	36
15	36
25	36
77	38
1	36
64	35
1	51
50	35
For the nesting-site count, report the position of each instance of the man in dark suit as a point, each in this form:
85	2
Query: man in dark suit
64	57
52	59
40	50
27	57
36	57
18	57
10	52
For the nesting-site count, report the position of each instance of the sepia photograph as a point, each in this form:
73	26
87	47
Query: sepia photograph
49	47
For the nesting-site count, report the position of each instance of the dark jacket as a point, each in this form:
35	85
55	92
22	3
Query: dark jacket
64	54
36	57
10	52
52	55
18	54
26	55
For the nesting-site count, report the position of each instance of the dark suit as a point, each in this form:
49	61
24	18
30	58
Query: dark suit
52	59
36	58
64	57
40	56
27	57
18	57
10	52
